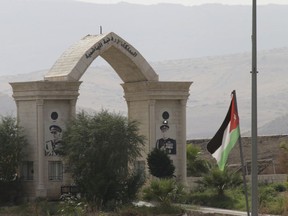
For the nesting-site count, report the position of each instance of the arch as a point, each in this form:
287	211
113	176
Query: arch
146	98
128	63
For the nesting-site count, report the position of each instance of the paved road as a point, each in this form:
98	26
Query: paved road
219	212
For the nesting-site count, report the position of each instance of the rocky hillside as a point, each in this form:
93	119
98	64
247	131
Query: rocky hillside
213	80
270	156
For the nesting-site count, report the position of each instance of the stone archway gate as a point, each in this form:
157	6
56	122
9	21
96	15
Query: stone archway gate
43	108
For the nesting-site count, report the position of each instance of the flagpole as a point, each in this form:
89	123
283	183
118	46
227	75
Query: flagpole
254	174
242	160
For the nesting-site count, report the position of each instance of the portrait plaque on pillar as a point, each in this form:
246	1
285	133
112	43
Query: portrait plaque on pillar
165	134
56	114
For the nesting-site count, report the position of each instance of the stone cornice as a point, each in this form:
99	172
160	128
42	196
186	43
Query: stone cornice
156	90
45	90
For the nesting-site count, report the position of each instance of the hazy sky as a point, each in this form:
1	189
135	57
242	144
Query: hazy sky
191	2
24	31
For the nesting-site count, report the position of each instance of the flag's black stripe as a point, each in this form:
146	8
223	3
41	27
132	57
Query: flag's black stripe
216	141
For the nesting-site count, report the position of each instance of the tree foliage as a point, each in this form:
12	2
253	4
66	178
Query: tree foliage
12	143
160	165
195	165
99	149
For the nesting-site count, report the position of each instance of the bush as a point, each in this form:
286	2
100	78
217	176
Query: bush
279	187
164	191
160	165
273	198
209	198
221	180
195	165
101	150
12	145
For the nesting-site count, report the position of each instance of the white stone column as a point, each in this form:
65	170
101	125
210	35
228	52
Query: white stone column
128	109
152	132
73	107
41	190
183	156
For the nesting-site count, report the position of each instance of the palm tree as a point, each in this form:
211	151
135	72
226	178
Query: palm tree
196	166
221	180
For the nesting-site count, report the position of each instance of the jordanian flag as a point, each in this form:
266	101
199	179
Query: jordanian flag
227	135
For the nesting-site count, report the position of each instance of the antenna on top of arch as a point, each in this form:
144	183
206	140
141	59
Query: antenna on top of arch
100	29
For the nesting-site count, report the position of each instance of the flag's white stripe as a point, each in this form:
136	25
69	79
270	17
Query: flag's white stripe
225	141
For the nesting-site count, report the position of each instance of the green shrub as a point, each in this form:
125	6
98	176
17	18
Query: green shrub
272	199
267	193
221	180
196	166
160	165
279	187
100	166
209	198
164	191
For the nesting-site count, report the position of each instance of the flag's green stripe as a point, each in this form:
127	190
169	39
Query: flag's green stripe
224	155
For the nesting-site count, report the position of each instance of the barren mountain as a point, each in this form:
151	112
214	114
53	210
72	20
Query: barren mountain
213	78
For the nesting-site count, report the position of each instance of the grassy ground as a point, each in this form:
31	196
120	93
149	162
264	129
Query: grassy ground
44	208
273	199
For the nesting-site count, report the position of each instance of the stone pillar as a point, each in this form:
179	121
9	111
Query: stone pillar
73	107
146	103
152	124
36	101
183	156
41	191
